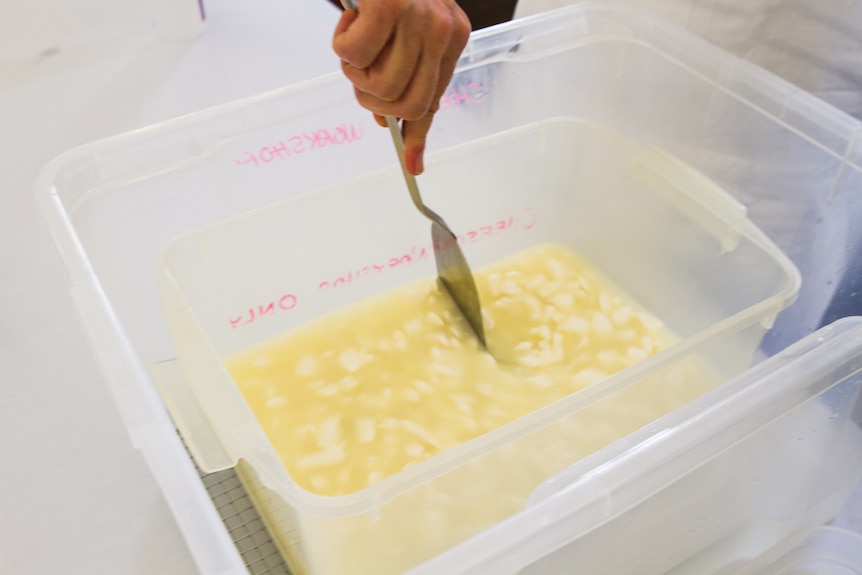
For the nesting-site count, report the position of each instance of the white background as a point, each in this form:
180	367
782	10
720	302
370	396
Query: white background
75	497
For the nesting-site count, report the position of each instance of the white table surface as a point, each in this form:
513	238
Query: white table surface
75	497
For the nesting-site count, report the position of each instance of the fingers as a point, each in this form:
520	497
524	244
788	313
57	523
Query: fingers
347	18
359	39
415	133
409	95
392	76
449	60
400	54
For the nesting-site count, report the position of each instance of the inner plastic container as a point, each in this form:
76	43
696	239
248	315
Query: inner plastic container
667	237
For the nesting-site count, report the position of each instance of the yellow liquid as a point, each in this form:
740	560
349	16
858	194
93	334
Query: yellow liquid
362	393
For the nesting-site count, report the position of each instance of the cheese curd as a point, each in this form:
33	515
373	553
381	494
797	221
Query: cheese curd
362	393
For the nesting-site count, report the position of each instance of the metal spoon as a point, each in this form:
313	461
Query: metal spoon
452	268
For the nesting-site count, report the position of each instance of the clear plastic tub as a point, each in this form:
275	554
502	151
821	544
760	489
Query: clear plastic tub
820	551
670	239
710	488
791	160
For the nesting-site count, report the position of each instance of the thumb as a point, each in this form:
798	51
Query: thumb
347	18
415	134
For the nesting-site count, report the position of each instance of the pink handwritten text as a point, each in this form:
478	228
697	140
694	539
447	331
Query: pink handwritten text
526	221
285	303
415	254
472	93
345	133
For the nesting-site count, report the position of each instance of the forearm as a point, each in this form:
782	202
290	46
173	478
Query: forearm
484	13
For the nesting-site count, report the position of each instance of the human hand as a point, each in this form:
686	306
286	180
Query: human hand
400	56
